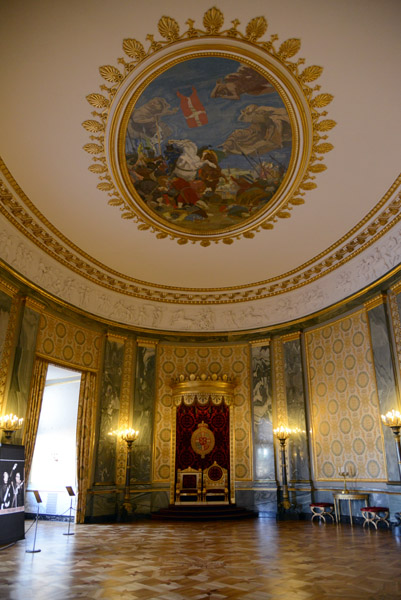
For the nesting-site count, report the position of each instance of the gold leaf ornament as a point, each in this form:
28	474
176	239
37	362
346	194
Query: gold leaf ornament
256	28
169	29
134	49
289	48
317	168
213	20
308	185
96	168
97	100
325	125
104	186
311	73
93	126
322	148
321	100
93	148
110	73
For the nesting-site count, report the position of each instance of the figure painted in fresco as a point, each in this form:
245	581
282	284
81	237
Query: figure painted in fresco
208	144
243	81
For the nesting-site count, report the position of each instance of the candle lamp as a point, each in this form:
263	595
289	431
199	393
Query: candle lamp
9	424
344	474
129	436
393	420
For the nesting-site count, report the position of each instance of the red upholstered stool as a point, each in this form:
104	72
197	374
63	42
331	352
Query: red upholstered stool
371	514
322	510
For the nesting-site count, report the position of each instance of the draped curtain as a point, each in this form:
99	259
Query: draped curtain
33	411
218	420
85	432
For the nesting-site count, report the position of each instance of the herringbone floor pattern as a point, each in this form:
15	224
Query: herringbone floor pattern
256	559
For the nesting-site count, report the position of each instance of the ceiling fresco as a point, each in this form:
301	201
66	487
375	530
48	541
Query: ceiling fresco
287	117
208	144
211	133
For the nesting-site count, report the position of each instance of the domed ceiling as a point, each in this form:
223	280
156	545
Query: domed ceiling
198	168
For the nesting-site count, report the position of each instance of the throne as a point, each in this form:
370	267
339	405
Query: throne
215	484
189	485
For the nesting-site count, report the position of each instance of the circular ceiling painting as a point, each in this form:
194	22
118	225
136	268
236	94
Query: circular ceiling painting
207	144
208	135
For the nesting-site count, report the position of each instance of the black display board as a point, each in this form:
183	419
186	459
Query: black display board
12	488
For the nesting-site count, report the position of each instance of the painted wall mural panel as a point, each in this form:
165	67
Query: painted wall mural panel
345	412
69	343
176	360
208	144
5	308
23	364
298	453
144	402
386	386
110	394
262	413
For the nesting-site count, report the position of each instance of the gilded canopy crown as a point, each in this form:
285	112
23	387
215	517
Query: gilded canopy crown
202	388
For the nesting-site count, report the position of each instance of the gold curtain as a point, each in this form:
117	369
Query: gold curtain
33	411
85	432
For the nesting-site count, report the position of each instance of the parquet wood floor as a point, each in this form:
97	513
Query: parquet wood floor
256	559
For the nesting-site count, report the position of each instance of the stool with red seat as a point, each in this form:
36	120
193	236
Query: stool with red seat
322	510
375	515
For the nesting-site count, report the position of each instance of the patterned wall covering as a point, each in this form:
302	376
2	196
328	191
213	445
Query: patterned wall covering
298	452
386	385
174	360
262	413
68	343
344	405
144	402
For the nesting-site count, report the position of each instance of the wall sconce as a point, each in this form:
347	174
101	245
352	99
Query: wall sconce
9	424
129	436
393	420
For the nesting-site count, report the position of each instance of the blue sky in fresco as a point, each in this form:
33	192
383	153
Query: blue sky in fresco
223	113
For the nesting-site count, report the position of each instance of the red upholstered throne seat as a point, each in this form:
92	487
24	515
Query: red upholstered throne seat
189	485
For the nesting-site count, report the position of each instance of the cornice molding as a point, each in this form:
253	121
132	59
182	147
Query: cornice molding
19	211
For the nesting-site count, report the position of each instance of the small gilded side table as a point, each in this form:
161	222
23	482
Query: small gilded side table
347	496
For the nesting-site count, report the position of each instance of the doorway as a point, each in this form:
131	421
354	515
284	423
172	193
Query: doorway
54	462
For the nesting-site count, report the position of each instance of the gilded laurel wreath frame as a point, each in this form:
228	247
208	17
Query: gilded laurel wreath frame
297	79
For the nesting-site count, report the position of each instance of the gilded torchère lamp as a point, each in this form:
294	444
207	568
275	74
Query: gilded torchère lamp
129	436
282	434
9	424
393	420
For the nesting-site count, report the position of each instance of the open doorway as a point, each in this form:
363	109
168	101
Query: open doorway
54	462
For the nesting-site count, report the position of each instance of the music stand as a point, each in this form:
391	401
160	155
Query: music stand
39	501
71	494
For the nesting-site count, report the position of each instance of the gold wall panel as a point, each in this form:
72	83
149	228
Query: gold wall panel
68	343
174	360
345	414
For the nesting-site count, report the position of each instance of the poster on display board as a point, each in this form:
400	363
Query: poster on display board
12	486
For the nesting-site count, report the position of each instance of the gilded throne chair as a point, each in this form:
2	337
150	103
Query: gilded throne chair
189	485
215	484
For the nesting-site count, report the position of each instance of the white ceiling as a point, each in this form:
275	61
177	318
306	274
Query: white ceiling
50	58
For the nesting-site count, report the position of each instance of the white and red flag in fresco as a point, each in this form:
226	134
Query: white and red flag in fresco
193	109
